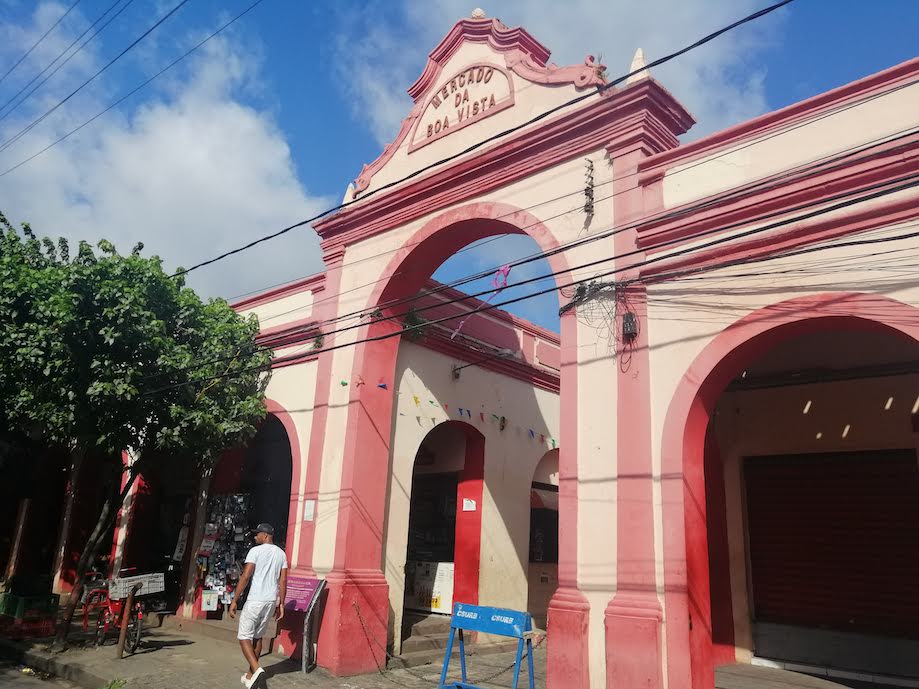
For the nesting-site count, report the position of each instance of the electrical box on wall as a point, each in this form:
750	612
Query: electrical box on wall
629	326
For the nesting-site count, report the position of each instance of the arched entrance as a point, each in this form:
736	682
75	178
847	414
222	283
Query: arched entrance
443	535
249	485
542	573
356	575
720	497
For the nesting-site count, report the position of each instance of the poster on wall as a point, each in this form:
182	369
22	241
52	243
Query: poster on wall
429	586
209	600
181	544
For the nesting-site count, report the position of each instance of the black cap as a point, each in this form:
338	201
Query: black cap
264	528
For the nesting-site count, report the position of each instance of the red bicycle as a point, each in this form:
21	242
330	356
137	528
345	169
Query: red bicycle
107	598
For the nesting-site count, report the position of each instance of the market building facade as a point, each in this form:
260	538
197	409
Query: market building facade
725	430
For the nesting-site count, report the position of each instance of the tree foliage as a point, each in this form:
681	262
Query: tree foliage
102	352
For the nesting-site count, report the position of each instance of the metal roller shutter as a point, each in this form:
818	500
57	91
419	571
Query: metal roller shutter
834	540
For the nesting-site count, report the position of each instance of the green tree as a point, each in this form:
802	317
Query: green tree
102	352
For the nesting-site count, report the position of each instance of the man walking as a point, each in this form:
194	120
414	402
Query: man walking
266	569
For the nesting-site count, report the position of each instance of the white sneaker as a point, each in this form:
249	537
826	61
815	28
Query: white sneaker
249	683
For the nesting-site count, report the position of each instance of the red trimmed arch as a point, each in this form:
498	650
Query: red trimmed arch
687	596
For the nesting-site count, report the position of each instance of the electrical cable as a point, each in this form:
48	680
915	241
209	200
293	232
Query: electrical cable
38	42
910	183
312	328
494	137
615	230
60	55
137	88
111	62
771	182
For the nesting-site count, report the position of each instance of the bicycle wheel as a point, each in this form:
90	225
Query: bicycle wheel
135	629
101	628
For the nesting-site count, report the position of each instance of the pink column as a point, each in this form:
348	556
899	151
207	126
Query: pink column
568	658
633	617
325	310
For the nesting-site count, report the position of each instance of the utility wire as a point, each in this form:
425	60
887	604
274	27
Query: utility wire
111	62
766	184
313	329
36	44
488	140
593	237
60	55
904	183
134	90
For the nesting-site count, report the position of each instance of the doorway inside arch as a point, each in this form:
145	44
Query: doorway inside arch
542	572
812	507
444	532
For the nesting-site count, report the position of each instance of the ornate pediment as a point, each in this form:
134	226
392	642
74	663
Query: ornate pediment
476	72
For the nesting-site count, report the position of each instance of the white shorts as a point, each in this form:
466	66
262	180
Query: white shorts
255	618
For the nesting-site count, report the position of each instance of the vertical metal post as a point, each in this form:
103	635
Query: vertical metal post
443	673
462	655
517	664
125	616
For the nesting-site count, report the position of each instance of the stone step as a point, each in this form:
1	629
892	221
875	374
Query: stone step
433	656
425	642
426	624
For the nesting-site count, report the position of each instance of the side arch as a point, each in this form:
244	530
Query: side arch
687	596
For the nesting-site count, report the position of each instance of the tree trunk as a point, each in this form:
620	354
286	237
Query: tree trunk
107	515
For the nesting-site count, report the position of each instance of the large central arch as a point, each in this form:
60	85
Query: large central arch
357	569
690	658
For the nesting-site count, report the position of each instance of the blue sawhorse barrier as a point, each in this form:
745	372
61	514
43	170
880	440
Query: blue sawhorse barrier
497	621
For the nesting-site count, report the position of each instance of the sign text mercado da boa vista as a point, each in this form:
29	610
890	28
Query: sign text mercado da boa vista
475	93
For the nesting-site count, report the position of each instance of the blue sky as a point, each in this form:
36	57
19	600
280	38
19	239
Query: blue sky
269	124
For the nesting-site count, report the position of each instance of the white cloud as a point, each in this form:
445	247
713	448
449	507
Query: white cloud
192	171
383	50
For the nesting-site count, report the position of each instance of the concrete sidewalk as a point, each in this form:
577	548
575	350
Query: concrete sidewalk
167	660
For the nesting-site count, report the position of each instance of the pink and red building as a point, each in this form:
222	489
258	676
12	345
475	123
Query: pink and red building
725	428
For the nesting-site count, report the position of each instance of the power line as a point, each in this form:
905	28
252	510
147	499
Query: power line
313	329
488	140
36	44
61	54
770	135
134	90
766	184
909	181
111	62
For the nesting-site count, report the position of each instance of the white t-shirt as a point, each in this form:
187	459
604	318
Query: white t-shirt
269	560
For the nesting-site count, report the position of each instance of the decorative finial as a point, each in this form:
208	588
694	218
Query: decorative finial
478	13
638	63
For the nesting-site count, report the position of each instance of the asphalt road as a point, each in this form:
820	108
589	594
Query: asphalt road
12	678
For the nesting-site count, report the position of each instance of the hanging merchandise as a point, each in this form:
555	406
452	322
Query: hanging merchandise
223	549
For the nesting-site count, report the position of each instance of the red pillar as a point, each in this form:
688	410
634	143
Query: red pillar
468	544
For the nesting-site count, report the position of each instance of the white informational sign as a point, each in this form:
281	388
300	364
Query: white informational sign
179	552
468	505
431	589
209	600
309	510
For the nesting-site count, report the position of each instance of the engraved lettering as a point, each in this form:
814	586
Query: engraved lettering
462	80
436	101
453	86
479	74
488	74
475	108
491	103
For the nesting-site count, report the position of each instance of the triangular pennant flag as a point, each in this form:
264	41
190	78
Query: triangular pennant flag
482	415
532	434
382	386
553	443
446	407
344	383
417	401
542	437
